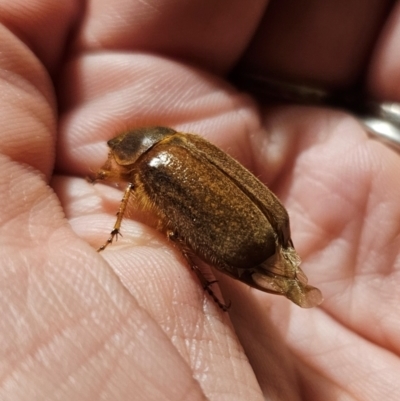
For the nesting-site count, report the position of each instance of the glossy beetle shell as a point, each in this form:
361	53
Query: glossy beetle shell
211	207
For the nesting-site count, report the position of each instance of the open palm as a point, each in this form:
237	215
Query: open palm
133	322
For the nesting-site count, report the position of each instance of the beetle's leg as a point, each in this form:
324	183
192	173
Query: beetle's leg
205	283
120	215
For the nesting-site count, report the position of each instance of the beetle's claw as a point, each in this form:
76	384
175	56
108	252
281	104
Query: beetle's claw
114	234
210	292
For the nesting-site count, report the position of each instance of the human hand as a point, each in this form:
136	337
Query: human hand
133	322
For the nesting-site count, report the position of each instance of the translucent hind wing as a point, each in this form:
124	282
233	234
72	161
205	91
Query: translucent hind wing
282	275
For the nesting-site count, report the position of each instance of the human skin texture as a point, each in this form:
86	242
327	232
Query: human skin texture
133	322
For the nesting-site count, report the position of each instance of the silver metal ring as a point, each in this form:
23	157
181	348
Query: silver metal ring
382	121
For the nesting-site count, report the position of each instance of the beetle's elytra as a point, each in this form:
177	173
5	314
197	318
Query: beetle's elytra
211	207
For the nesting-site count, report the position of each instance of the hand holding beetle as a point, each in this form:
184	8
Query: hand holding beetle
132	322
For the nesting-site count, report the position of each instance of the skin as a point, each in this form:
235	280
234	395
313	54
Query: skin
133	323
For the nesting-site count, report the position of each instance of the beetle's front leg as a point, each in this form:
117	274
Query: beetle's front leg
120	215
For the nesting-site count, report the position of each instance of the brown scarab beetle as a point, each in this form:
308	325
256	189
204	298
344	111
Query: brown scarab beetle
211	207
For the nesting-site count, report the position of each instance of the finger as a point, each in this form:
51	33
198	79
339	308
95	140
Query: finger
28	107
209	34
41	25
327	43
383	77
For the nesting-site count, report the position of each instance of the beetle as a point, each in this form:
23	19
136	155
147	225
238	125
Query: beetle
210	207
